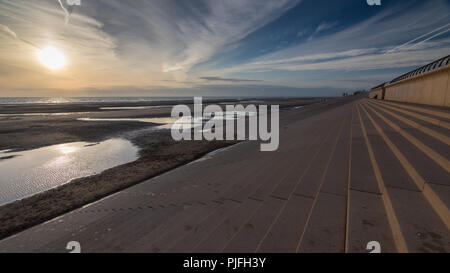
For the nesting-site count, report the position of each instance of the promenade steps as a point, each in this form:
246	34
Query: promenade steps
417	207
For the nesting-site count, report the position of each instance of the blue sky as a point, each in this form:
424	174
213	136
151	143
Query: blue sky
216	47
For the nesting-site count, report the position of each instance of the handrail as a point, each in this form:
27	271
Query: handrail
378	86
428	67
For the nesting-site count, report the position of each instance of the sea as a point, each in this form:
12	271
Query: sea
42	100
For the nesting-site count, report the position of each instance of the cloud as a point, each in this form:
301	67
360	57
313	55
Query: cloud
363	46
322	27
12	34
325	25
173	36
140	42
227	79
417	41
8	31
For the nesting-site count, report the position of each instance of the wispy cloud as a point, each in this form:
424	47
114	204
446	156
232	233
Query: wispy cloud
371	44
322	27
8	31
13	35
144	42
426	37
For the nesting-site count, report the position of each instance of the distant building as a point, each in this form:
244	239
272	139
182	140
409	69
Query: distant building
359	92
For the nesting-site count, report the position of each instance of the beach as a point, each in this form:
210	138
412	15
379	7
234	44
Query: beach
32	126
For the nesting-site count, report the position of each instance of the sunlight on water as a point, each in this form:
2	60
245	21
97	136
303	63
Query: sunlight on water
45	114
182	122
29	172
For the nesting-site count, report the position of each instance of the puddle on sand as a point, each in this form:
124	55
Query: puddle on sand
179	123
45	114
165	123
135	107
29	172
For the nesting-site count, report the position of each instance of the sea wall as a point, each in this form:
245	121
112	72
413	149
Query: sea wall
432	88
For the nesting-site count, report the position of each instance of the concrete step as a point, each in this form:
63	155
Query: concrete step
431	120
434	168
175	231
416	165
310	183
367	219
285	230
325	229
259	187
185	202
216	240
304	161
361	172
292	168
200	229
424	109
227	228
203	194
144	243
224	189
247	240
379	151
284	167
336	177
288	225
284	233
233	198
107	233
422	129
421	228
244	235
188	223
421	139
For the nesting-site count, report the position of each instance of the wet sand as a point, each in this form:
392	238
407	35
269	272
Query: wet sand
158	152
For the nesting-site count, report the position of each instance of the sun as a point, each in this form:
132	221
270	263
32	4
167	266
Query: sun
51	58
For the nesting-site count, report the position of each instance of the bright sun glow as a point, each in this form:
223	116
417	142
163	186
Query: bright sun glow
51	58
67	149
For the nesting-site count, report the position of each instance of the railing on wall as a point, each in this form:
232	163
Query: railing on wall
378	86
431	66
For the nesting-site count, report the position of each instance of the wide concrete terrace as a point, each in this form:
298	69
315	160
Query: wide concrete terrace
364	171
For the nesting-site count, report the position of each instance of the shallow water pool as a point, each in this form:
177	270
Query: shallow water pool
29	172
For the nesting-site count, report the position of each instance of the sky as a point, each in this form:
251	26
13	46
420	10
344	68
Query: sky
216	47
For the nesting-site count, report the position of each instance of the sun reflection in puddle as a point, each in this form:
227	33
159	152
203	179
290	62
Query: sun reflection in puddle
28	172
